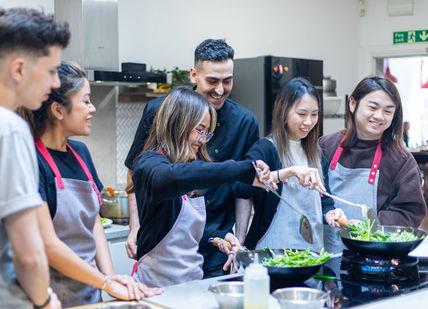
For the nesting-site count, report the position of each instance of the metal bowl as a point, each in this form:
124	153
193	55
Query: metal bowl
229	295
300	298
124	305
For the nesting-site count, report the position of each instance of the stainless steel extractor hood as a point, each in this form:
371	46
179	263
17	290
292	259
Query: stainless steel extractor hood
95	40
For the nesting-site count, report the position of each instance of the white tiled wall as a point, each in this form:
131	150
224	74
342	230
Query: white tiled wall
113	130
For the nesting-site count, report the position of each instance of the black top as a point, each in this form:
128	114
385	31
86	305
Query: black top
237	130
265	203
159	185
68	167
400	198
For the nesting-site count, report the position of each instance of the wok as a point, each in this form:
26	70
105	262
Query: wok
279	274
383	249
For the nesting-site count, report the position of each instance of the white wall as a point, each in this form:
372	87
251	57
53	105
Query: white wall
165	33
376	30
46	5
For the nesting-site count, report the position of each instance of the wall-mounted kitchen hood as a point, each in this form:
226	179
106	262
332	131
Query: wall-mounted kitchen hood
94	40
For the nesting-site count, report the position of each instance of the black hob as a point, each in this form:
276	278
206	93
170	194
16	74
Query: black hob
375	269
361	279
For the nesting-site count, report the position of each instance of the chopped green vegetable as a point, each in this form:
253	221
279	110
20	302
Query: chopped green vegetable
104	220
296	258
363	230
324	277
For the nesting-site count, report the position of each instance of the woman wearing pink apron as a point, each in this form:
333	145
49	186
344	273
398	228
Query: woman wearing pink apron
368	162
73	235
168	178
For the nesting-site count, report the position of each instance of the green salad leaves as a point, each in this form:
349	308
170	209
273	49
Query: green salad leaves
296	258
363	230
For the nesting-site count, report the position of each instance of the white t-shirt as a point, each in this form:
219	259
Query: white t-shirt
297	153
19	182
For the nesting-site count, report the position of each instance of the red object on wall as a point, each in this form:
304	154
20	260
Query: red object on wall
389	75
425	85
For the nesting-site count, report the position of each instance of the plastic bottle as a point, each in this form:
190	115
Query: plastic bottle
256	287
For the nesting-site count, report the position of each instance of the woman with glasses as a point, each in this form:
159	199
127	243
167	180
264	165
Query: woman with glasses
168	177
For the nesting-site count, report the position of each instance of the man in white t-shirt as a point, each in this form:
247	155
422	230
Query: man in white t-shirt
30	52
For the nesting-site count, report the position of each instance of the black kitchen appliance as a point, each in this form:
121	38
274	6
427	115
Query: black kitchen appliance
378	269
257	81
354	279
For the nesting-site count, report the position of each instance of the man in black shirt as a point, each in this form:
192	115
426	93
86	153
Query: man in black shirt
237	130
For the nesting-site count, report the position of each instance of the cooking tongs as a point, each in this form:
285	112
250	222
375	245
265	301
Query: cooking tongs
305	228
367	211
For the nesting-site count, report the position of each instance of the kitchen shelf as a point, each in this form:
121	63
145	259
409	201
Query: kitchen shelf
122	84
333	106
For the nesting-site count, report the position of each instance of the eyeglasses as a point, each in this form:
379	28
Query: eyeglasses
205	134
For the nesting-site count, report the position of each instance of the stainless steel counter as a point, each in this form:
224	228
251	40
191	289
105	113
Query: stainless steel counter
116	231
195	294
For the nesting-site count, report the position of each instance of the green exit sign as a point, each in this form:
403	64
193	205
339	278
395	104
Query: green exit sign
409	37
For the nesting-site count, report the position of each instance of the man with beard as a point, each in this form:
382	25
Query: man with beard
236	131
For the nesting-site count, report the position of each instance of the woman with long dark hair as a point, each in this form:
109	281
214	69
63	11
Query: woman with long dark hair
74	238
168	178
368	162
292	150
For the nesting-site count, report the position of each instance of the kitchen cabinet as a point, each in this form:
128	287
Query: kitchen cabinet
116	236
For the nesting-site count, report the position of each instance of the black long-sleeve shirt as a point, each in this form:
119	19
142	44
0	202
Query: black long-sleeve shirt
399	194
237	130
265	203
159	185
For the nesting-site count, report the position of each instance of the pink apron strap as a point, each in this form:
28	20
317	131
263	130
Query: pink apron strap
336	157
86	171
375	164
47	156
134	269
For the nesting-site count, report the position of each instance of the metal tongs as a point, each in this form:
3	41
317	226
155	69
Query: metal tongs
367	211
305	228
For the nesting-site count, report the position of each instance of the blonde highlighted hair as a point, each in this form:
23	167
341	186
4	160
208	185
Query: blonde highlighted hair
181	112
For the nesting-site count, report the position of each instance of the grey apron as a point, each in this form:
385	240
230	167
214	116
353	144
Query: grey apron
77	209
283	231
175	259
358	185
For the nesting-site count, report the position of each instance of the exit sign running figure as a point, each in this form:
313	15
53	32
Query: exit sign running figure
410	37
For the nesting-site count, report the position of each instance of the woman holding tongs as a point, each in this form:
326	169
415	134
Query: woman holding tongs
368	163
295	219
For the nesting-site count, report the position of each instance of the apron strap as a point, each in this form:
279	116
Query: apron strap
375	164
86	171
336	156
47	156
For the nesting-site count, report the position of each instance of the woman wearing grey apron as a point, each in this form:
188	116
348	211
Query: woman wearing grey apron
368	162
168	178
74	237
291	150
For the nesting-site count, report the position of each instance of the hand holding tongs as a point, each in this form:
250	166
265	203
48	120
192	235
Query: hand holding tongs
367	212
